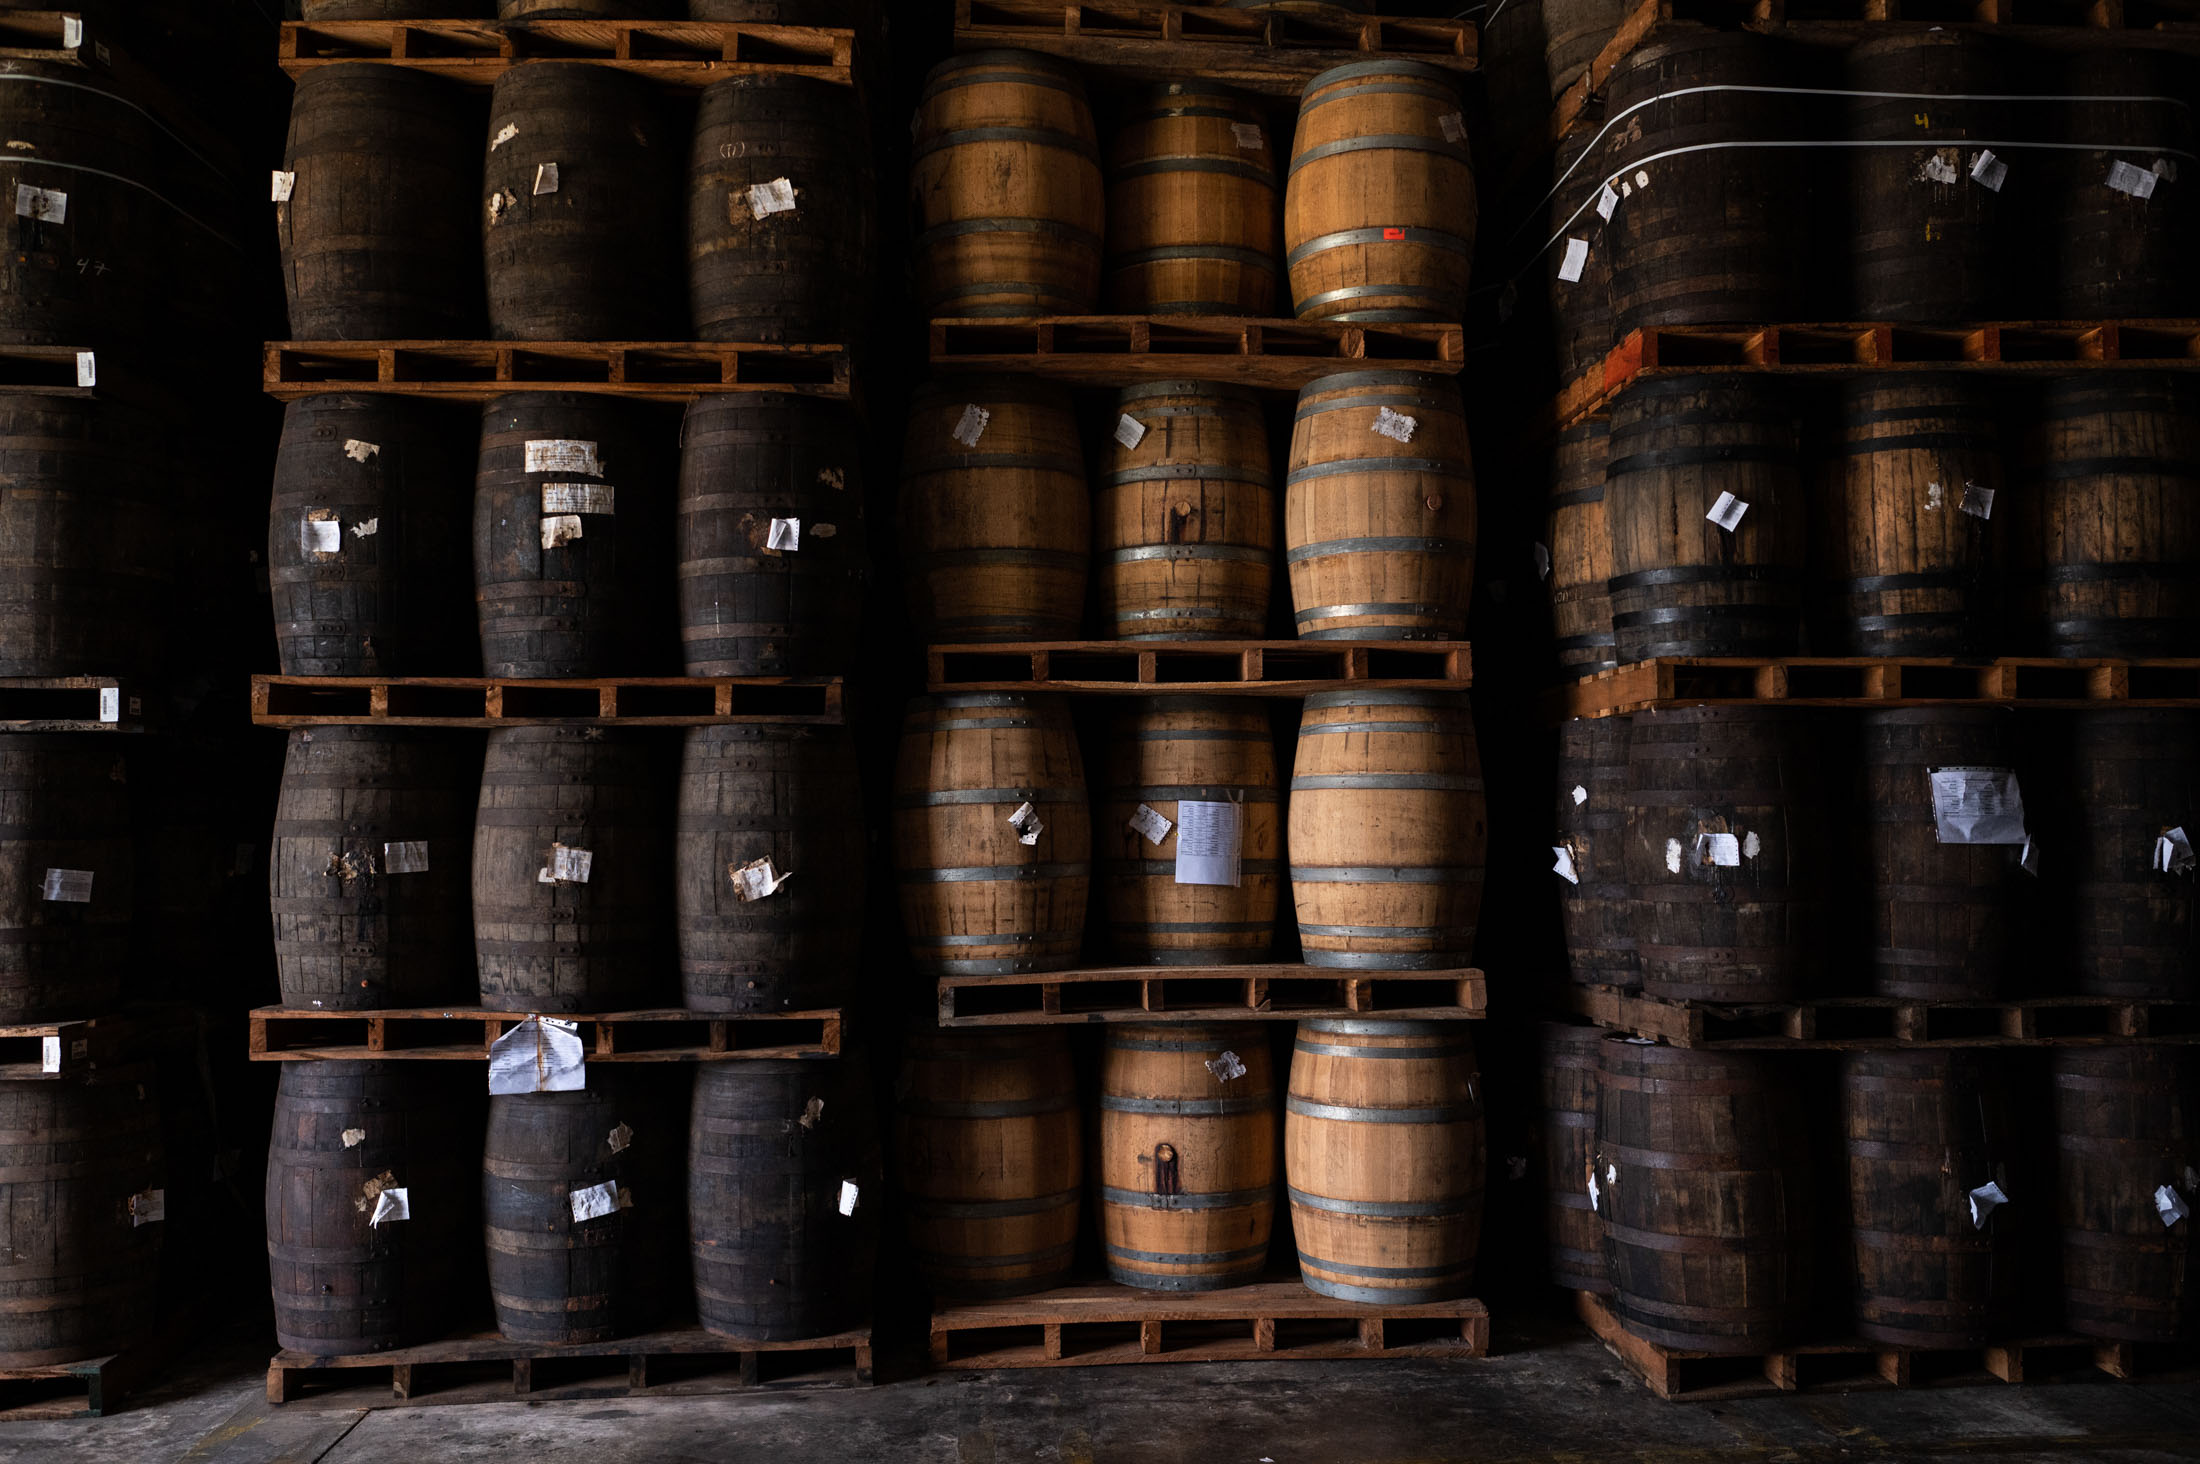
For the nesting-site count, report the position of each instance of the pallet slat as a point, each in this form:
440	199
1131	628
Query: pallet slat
686	53
1279	992
1898	681
475	371
1866	1022
1122	350
463	1034
461	701
70	704
1248	668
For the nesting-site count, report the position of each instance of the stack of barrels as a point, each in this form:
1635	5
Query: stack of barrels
568	869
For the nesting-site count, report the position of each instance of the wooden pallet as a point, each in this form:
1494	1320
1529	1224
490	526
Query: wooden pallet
1845	1023
33	1050
99	1386
1247	668
1855	349
1270	1321
1842	1366
1121	350
681	53
48	370
1874	683
485	1368
1280	992
476	371
1276	54
463	1034
69	704
609	701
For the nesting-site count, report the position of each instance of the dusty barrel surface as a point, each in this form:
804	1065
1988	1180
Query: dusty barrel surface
367	879
67	883
1581	550
1192	204
989	1150
1581	308
1568	1070
2120	251
787	937
1597	914
976	897
587	9
1383	1159
1703	1182
2127	1125
396	9
1574	31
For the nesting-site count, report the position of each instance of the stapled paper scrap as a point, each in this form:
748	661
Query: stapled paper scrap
562	455
1150	823
546	179
1977	806
1227	1068
150	1206
848	1193
1940	166
47	205
1988	171
1209	837
1572	262
970	426
561	529
1986	1199
359	451
812	1113
1129	430
784	535
1596	1195
580	498
595	1202
567	865
1607	200
540	1055
2029	860
1026	824
1977	502
504	135
281	186
353	1138
391	1205
1248	136
87	368
408	857
1453	125
1673	856
1542	561
1581	795
756	879
1727	512
2173	852
1564	867
2170	1205
2124	178
110	703
68	886
1396	426
1721	850
619	1138
366	528
322	535
766	199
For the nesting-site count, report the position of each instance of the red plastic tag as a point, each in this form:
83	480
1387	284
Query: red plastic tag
1394	234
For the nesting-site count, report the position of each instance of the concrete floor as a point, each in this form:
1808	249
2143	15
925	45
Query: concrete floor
1555	1396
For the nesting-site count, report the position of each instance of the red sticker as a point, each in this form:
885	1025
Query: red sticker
1394	233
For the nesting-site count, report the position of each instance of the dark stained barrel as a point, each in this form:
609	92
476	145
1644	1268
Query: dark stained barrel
1908	550
581	475
82	1187
1945	918
1568	1071
367	879
1574	31
1717	234
1923	1130
785	1190
587	9
380	222
2127	1123
1580	534
2110	253
1704	1182
1727	852
592	257
2107	558
66	884
1681	584
344	1132
749	460
1581	309
397	9
569	871
771	264
366	539
853	14
789	795
1598	914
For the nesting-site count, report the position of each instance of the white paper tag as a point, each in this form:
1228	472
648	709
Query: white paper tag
87	368
1129	430
148	1207
68	886
2029	860
389	1205
1581	795
540	1055
1607	200
1026	824
281	186
1985	1200
1396	426
407	857
546	179
2170	1205
619	1138
1248	136
2124	178
359	451
580	498
49	1055
1542	561
1727	512
366	528
785	535
1146	821
568	865
1725	850
1208	837
1977	502
560	530
1672	856
47	205
1454	126
595	1202
823	531
321	535
971	425
848	1193
766	199
1576	256
353	1138
1595	1195
1226	1068
504	135
563	455
1564	865
72	33
1977	806
110	704
2172	853
1989	171
756	879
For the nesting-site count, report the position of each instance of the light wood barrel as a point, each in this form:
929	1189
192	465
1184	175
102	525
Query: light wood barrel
1184	524
997	531
1383	1157
1379	206
976	899
1388	830
1379	534
990	1151
1161	753
1188	1127
1192	207
1005	180
1581	550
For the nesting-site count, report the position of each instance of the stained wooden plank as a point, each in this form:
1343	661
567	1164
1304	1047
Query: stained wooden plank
1857	1023
1279	991
460	701
681	53
1900	681
463	1034
476	371
1253	668
1121	350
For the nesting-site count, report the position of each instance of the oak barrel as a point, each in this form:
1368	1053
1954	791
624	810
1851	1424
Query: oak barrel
587	9
1580	535
1581	308
66	867
1597	914
1574	32
2108	252
1568	1070
1192	204
2127	1125
396	9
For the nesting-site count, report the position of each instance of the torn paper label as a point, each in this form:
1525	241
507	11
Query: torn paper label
366	528
1607	200
1150	823
47	205
282	186
579	498
148	1207
756	879
68	886
812	1112
848	1193
1935	496
560	530
2029	860
540	1055
2124	178
1227	1068
2166	169
836	478
1453	125
1129	430
619	1138
1581	795
1985	1200
1727	512
569	865
2170	1205
1026	824
594	1202
2172	853
1752	846
1564	865
784	535
1595	1195
766	199
970	426
1673	856
1208	838
546	179
1396	426
1542	561
1570	265
110	704
359	451
87	368
1248	136
409	857
563	455
1977	806
1988	171
504	135
322	532
1977	502
391	1205
1723	851
1940	166
353	1138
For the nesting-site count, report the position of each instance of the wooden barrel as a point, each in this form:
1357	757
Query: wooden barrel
1924	1129
1568	1071
1192	207
2109	253
1704	1184
1598	913
1383	1159
749	460
345	1132
790	795
569	871
1726	852
990	1156
1574	31
802	270
1388	828
1945	918
1187	1155
1926	241
1581	308
1005	187
1581	550
2127	1123
1161	753
579	473
587	9
1681	584
976	899
1379	204
397	9
853	14
65	875
1706	232
1184	522
1379	533
391	477
993	511
91	570
367	878
782	1248
2107	561
82	1181
583	205
2119	782
1904	568
381	209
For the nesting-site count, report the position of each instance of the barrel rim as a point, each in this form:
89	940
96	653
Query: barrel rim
1395	697
1401	67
